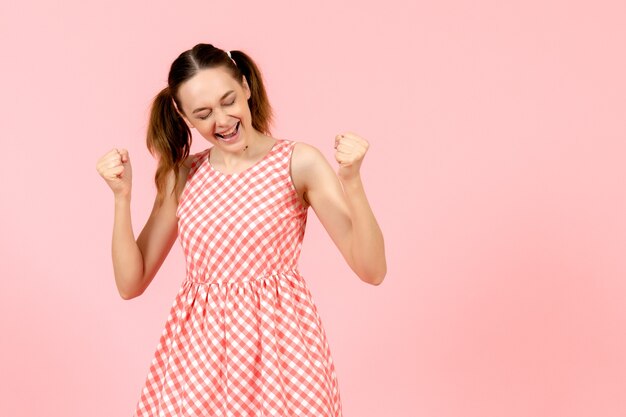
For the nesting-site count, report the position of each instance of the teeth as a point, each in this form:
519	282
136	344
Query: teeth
229	132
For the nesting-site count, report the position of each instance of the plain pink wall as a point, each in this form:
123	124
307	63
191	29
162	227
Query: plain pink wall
497	171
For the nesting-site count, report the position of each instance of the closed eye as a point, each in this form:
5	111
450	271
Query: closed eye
226	104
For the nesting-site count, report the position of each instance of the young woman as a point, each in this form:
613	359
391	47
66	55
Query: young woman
243	337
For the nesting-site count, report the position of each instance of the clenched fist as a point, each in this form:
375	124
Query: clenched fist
350	151
114	167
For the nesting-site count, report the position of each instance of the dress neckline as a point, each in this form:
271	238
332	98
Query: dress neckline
235	174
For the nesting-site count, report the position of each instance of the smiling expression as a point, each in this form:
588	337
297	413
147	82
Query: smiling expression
214	103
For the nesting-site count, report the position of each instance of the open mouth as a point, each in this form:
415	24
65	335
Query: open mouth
231	135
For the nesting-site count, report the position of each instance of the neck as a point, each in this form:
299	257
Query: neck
255	145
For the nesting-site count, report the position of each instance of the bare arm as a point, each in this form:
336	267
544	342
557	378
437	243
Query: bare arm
342	207
135	263
127	258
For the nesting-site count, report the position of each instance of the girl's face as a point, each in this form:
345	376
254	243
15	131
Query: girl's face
216	105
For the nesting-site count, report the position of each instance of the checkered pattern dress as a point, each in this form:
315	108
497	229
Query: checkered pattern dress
243	336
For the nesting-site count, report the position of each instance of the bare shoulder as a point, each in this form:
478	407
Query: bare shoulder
306	156
309	169
183	174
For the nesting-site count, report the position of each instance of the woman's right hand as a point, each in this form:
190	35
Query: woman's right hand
114	167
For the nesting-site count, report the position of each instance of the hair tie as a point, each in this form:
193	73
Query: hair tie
231	58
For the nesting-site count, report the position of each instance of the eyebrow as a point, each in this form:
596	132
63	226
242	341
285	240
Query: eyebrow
222	98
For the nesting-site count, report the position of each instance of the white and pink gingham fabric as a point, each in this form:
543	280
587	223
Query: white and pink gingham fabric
243	336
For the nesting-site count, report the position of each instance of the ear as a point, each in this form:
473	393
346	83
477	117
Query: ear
246	87
187	122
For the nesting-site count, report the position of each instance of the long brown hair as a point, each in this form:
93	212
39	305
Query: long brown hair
169	137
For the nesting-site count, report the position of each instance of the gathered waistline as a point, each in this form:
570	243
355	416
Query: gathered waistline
229	280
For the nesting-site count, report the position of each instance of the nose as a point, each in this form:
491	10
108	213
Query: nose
221	118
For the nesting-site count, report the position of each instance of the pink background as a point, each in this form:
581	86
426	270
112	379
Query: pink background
497	171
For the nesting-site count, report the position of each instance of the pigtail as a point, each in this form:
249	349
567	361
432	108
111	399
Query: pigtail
260	108
168	138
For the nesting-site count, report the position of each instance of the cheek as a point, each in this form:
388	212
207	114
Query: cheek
208	125
205	128
244	113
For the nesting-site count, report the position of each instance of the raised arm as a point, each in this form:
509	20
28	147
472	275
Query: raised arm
339	201
136	262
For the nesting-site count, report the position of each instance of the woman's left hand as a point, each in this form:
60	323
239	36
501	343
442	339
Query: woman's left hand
350	150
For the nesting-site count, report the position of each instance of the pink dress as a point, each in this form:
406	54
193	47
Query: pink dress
243	336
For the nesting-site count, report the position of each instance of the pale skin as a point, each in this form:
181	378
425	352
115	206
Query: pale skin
213	102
